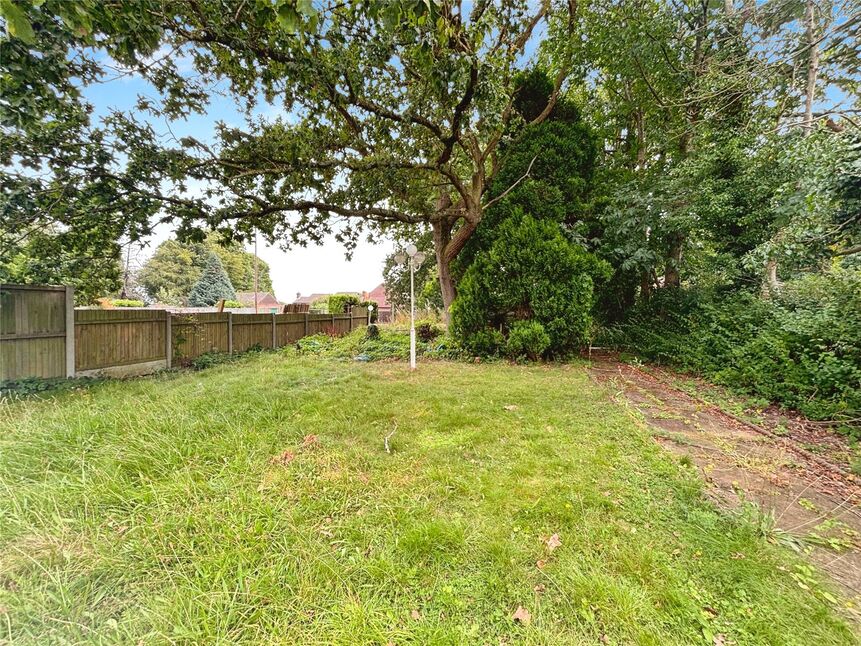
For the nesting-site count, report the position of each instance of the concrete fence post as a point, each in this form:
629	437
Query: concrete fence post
306	324
70	331
351	318
273	332
230	332
168	339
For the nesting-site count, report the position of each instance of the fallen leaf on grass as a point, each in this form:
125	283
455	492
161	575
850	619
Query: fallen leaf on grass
540	563
283	459
553	542
539	588
309	440
510	407
522	615
415	614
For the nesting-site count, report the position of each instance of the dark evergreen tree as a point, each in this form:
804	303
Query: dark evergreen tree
213	285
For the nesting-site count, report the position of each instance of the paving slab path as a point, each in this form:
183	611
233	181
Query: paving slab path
805	500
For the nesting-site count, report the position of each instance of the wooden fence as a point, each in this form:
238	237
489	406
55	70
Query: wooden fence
36	332
42	335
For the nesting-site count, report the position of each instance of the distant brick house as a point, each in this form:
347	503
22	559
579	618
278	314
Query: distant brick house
378	295
266	302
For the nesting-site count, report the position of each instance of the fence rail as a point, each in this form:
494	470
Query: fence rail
42	335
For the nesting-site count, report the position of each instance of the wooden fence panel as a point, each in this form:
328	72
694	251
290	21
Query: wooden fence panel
108	338
33	331
250	330
42	335
319	324
195	334
358	317
341	325
289	328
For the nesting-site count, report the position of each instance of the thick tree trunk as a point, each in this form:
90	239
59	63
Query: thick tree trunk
446	247
646	286
672	277
441	240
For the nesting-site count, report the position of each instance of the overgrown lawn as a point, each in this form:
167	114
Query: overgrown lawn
255	502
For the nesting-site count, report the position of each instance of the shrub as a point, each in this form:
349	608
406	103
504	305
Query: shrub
230	303
801	348
484	343
445	347
427	330
341	303
372	332
127	302
527	339
529	272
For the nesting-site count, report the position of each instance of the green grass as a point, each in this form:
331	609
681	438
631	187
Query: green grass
151	511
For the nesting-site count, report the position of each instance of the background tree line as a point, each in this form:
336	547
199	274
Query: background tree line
170	274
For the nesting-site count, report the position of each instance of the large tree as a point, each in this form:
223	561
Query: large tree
64	208
394	111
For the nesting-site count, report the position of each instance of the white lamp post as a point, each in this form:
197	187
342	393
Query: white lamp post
416	258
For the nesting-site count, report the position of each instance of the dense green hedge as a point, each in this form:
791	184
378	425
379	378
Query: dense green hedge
800	348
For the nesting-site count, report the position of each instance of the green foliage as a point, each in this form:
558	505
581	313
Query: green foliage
802	348
127	302
169	275
521	264
530	272
233	304
376	343
527	339
12	390
212	286
396	277
210	359
341	303
427	330
482	342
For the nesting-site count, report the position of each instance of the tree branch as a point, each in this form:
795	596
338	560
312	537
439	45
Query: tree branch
513	186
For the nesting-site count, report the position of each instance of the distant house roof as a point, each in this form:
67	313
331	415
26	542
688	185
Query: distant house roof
264	299
378	295
316	297
310	299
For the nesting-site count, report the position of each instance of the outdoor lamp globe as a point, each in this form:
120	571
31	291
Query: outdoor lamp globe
411	250
418	259
400	258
